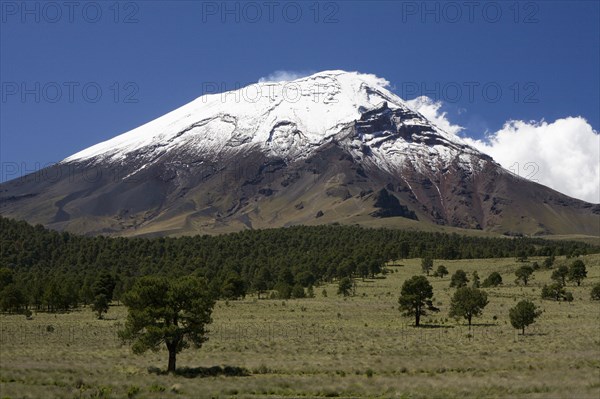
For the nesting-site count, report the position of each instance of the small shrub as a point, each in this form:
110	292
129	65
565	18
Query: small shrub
262	369
595	293
556	291
569	296
157	388
133	391
298	291
493	280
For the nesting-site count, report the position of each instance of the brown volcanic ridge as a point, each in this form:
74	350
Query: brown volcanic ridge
358	155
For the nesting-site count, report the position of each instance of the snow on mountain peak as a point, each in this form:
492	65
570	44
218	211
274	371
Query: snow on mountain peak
284	118
315	105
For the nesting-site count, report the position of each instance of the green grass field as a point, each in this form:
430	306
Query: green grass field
327	347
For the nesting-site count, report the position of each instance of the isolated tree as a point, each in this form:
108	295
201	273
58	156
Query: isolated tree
523	314
345	286
441	271
476	280
416	298
468	302
100	305
426	264
560	274
577	271
595	293
459	279
493	280
170	312
524	274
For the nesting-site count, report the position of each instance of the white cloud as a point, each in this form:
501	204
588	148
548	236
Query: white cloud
284	76
431	110
563	155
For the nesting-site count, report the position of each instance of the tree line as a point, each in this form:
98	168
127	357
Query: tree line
57	271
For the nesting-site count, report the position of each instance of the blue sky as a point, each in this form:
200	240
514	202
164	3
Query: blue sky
149	57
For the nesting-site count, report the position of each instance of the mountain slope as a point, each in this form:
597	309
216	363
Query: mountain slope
331	147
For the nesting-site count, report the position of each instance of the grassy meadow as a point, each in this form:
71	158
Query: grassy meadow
327	346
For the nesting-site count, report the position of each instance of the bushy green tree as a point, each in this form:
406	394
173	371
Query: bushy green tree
577	272
459	279
362	269
260	283
375	267
548	262
104	285
560	274
523	315
416	298
305	278
102	289
441	271
426	264
345	286
298	291
100	305
524	274
170	312
233	287
468	302
12	299
476	280
493	280
6	277
284	290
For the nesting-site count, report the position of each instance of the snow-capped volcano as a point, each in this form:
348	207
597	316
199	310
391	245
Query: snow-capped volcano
285	119
281	116
331	147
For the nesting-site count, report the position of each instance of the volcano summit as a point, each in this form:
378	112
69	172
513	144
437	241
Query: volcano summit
331	147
